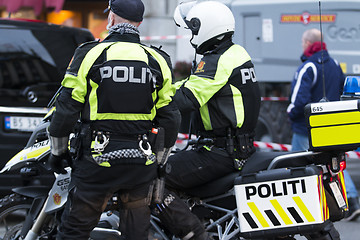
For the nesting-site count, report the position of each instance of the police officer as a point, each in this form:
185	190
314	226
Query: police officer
224	96
119	89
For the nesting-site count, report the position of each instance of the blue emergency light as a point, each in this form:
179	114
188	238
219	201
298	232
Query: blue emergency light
352	86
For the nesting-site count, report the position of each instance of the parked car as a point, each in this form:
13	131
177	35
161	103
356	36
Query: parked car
33	58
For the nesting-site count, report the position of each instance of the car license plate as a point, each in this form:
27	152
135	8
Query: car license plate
26	124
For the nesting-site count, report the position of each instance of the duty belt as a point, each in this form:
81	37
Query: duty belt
239	147
101	140
116	136
124	153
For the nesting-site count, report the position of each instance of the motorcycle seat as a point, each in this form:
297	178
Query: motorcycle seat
258	161
214	188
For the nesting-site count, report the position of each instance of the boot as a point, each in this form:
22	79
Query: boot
177	218
354	210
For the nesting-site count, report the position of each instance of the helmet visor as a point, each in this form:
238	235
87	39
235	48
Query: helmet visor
180	13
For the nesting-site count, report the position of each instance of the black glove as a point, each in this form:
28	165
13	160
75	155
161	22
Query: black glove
58	163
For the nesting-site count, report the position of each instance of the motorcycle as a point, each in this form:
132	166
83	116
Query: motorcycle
272	198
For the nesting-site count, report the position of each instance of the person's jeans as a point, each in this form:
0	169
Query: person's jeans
350	186
300	142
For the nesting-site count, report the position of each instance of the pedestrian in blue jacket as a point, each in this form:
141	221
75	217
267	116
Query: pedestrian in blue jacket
307	87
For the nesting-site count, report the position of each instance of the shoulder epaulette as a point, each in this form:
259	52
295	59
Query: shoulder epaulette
163	54
159	50
88	43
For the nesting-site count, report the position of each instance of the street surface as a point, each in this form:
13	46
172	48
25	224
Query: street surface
347	230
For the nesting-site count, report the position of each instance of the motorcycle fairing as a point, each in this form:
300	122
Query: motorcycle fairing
59	191
32	153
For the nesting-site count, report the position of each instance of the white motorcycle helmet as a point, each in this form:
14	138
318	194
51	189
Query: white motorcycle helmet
207	20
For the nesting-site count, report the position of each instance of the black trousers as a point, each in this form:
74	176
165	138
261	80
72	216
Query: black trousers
197	167
190	169
94	185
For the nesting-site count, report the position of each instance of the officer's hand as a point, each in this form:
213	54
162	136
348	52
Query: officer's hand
58	163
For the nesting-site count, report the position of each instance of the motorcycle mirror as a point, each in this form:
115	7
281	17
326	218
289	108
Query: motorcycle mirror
52	101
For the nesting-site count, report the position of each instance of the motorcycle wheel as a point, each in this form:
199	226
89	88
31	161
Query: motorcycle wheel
13	211
14	232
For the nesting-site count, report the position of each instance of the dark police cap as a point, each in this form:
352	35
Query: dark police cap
132	10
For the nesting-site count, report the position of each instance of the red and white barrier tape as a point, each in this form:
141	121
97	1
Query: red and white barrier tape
287	148
273	146
264	145
168	37
353	154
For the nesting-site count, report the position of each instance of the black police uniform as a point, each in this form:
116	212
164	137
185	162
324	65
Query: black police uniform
119	89
224	94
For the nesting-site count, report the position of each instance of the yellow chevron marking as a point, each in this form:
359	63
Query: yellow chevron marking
304	209
258	214
281	212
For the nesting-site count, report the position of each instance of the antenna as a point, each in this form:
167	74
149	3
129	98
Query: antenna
324	99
